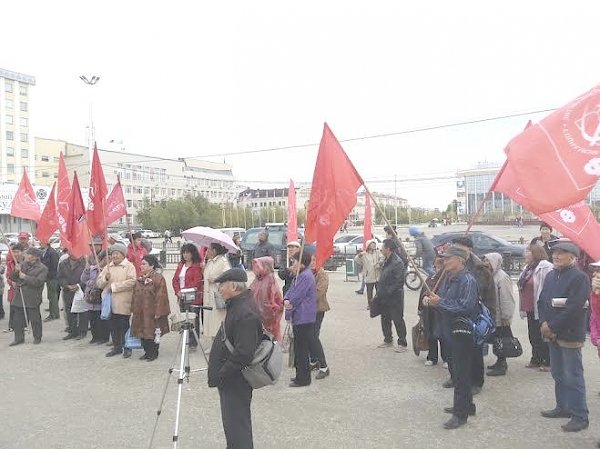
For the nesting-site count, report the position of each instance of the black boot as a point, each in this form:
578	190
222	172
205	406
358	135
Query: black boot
499	370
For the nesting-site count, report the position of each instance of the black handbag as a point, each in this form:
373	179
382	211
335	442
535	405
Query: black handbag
505	344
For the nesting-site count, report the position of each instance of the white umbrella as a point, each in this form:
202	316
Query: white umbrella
204	236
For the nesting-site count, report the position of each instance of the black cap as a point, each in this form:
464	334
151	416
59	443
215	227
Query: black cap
233	275
569	247
455	251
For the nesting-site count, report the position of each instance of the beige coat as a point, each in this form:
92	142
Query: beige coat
371	265
212	270
121	283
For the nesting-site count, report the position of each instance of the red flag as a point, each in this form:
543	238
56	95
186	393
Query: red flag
49	221
332	196
557	161
24	204
368	224
577	222
292	220
115	204
63	201
98	191
77	233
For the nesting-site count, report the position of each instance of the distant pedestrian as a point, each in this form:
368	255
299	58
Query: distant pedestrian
167	236
563	316
371	261
242	328
263	246
424	249
530	285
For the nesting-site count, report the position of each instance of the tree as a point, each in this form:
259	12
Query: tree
180	213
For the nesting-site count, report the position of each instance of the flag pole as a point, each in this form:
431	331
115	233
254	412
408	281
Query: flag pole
387	222
92	243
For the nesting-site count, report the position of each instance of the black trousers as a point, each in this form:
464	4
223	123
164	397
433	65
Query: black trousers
236	397
502	331
393	312
477	366
303	334
82	322
118	328
34	317
434	354
462	358
1	306
371	286
100	328
315	347
11	316
71	318
540	353
150	348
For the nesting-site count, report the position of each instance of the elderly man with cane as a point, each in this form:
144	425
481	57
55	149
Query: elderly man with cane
29	278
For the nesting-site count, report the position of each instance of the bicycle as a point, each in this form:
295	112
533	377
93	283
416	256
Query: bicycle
412	279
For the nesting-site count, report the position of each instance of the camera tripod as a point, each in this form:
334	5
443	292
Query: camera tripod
184	370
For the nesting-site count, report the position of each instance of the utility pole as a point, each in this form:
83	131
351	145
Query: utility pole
395	201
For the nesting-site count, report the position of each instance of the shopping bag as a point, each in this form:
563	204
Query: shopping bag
79	305
132	342
106	305
287	339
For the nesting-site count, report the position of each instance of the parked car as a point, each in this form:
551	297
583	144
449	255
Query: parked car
277	238
483	243
232	231
353	246
149	234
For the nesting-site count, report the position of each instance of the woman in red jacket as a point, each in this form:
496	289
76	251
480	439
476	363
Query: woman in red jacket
189	275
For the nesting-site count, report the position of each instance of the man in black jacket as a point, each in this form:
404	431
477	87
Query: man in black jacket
563	316
243	328
50	259
390	296
286	274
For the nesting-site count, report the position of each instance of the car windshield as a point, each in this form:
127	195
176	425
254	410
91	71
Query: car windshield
344	238
251	238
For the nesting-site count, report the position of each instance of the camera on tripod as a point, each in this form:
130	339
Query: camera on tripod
186	300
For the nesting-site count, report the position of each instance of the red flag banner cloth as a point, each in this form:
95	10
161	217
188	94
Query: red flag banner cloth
115	206
557	161
98	191
292	214
49	221
577	221
332	196
24	204
76	225
368	225
63	201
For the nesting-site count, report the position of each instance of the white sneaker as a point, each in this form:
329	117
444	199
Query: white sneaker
445	365
428	363
401	349
385	345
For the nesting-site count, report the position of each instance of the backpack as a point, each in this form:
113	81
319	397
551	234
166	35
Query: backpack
483	324
267	363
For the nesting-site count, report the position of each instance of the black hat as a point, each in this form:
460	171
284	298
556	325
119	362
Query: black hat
136	235
457	252
34	252
569	247
233	275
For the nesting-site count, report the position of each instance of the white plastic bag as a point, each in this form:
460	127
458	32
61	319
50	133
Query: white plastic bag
79	305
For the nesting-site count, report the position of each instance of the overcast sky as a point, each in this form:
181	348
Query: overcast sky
187	79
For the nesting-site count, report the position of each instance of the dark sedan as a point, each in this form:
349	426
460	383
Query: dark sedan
483	243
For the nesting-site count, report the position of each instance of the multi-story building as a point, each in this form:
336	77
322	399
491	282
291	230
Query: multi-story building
16	150
473	184
143	178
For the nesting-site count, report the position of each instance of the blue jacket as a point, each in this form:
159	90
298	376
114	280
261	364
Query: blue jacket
303	297
568	322
459	297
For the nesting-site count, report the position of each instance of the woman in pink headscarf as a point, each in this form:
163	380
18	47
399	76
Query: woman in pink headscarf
267	295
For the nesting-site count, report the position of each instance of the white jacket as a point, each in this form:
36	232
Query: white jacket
539	276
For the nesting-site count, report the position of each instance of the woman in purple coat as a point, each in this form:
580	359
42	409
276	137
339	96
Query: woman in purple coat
301	308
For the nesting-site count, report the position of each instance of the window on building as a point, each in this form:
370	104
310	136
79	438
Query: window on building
8	86
23	89
9	104
129	203
10	168
127	189
10	151
45	174
24	106
24	153
45	159
24	137
24	122
9	119
10	135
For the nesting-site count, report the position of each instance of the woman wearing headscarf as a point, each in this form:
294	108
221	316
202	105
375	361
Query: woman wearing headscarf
150	308
371	262
530	285
189	274
118	279
216	265
93	299
267	295
505	308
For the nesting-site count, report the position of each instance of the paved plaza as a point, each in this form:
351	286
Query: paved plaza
63	395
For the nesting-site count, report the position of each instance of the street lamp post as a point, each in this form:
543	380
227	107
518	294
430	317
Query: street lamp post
91	131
